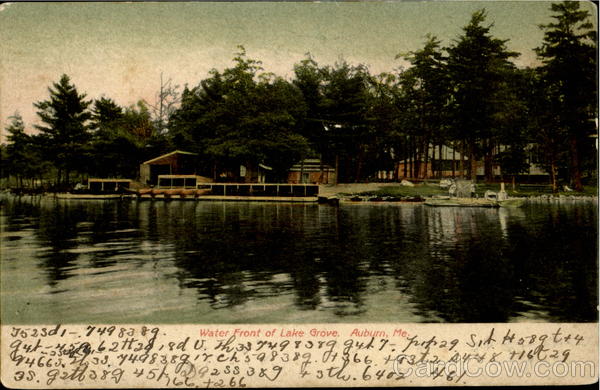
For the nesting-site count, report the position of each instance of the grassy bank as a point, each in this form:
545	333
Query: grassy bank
431	189
423	190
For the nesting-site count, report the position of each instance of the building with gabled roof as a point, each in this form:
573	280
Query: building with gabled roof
311	170
177	162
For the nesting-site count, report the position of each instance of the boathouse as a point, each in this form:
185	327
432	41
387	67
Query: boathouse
311	170
177	162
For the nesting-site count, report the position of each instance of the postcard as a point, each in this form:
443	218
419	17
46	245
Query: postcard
298	194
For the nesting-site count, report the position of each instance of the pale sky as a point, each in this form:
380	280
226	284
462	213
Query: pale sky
118	50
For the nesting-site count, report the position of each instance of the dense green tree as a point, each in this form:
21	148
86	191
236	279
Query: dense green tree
18	149
4	162
137	120
426	92
65	118
544	125
122	138
477	64
350	116
258	116
193	125
345	111
22	158
568	53
116	150
105	113
242	116
385	113
309	79
511	119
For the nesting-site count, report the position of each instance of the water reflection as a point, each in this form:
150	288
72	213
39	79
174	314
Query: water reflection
278	262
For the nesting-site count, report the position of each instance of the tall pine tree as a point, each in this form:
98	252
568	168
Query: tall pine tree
569	56
425	86
65	127
477	65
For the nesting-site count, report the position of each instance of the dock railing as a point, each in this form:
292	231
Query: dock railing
262	189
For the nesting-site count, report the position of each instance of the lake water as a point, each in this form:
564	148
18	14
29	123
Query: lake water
234	262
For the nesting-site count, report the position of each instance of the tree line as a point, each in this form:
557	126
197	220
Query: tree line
468	96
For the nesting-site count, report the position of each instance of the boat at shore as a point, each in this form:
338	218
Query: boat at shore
475	202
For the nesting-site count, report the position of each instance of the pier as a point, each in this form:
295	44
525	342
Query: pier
272	192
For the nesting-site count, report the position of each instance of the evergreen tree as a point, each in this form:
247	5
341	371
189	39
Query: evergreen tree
512	119
477	64
116	149
309	79
105	114
385	112
22	158
18	149
65	127
544	125
569	56
346	116
426	88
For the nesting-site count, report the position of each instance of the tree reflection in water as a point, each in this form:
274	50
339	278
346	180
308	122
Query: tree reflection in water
378	261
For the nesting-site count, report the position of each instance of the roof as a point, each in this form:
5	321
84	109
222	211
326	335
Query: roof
156	159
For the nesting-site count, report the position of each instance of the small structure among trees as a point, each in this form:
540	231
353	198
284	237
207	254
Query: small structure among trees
311	170
176	162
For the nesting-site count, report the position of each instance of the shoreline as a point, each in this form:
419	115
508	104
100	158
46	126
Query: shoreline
342	198
432	190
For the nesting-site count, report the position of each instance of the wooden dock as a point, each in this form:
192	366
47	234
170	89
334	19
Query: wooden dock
229	198
271	192
214	192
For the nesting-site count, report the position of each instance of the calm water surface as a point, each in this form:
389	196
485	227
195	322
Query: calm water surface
230	262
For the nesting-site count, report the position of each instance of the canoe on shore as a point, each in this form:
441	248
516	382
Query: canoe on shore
475	202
